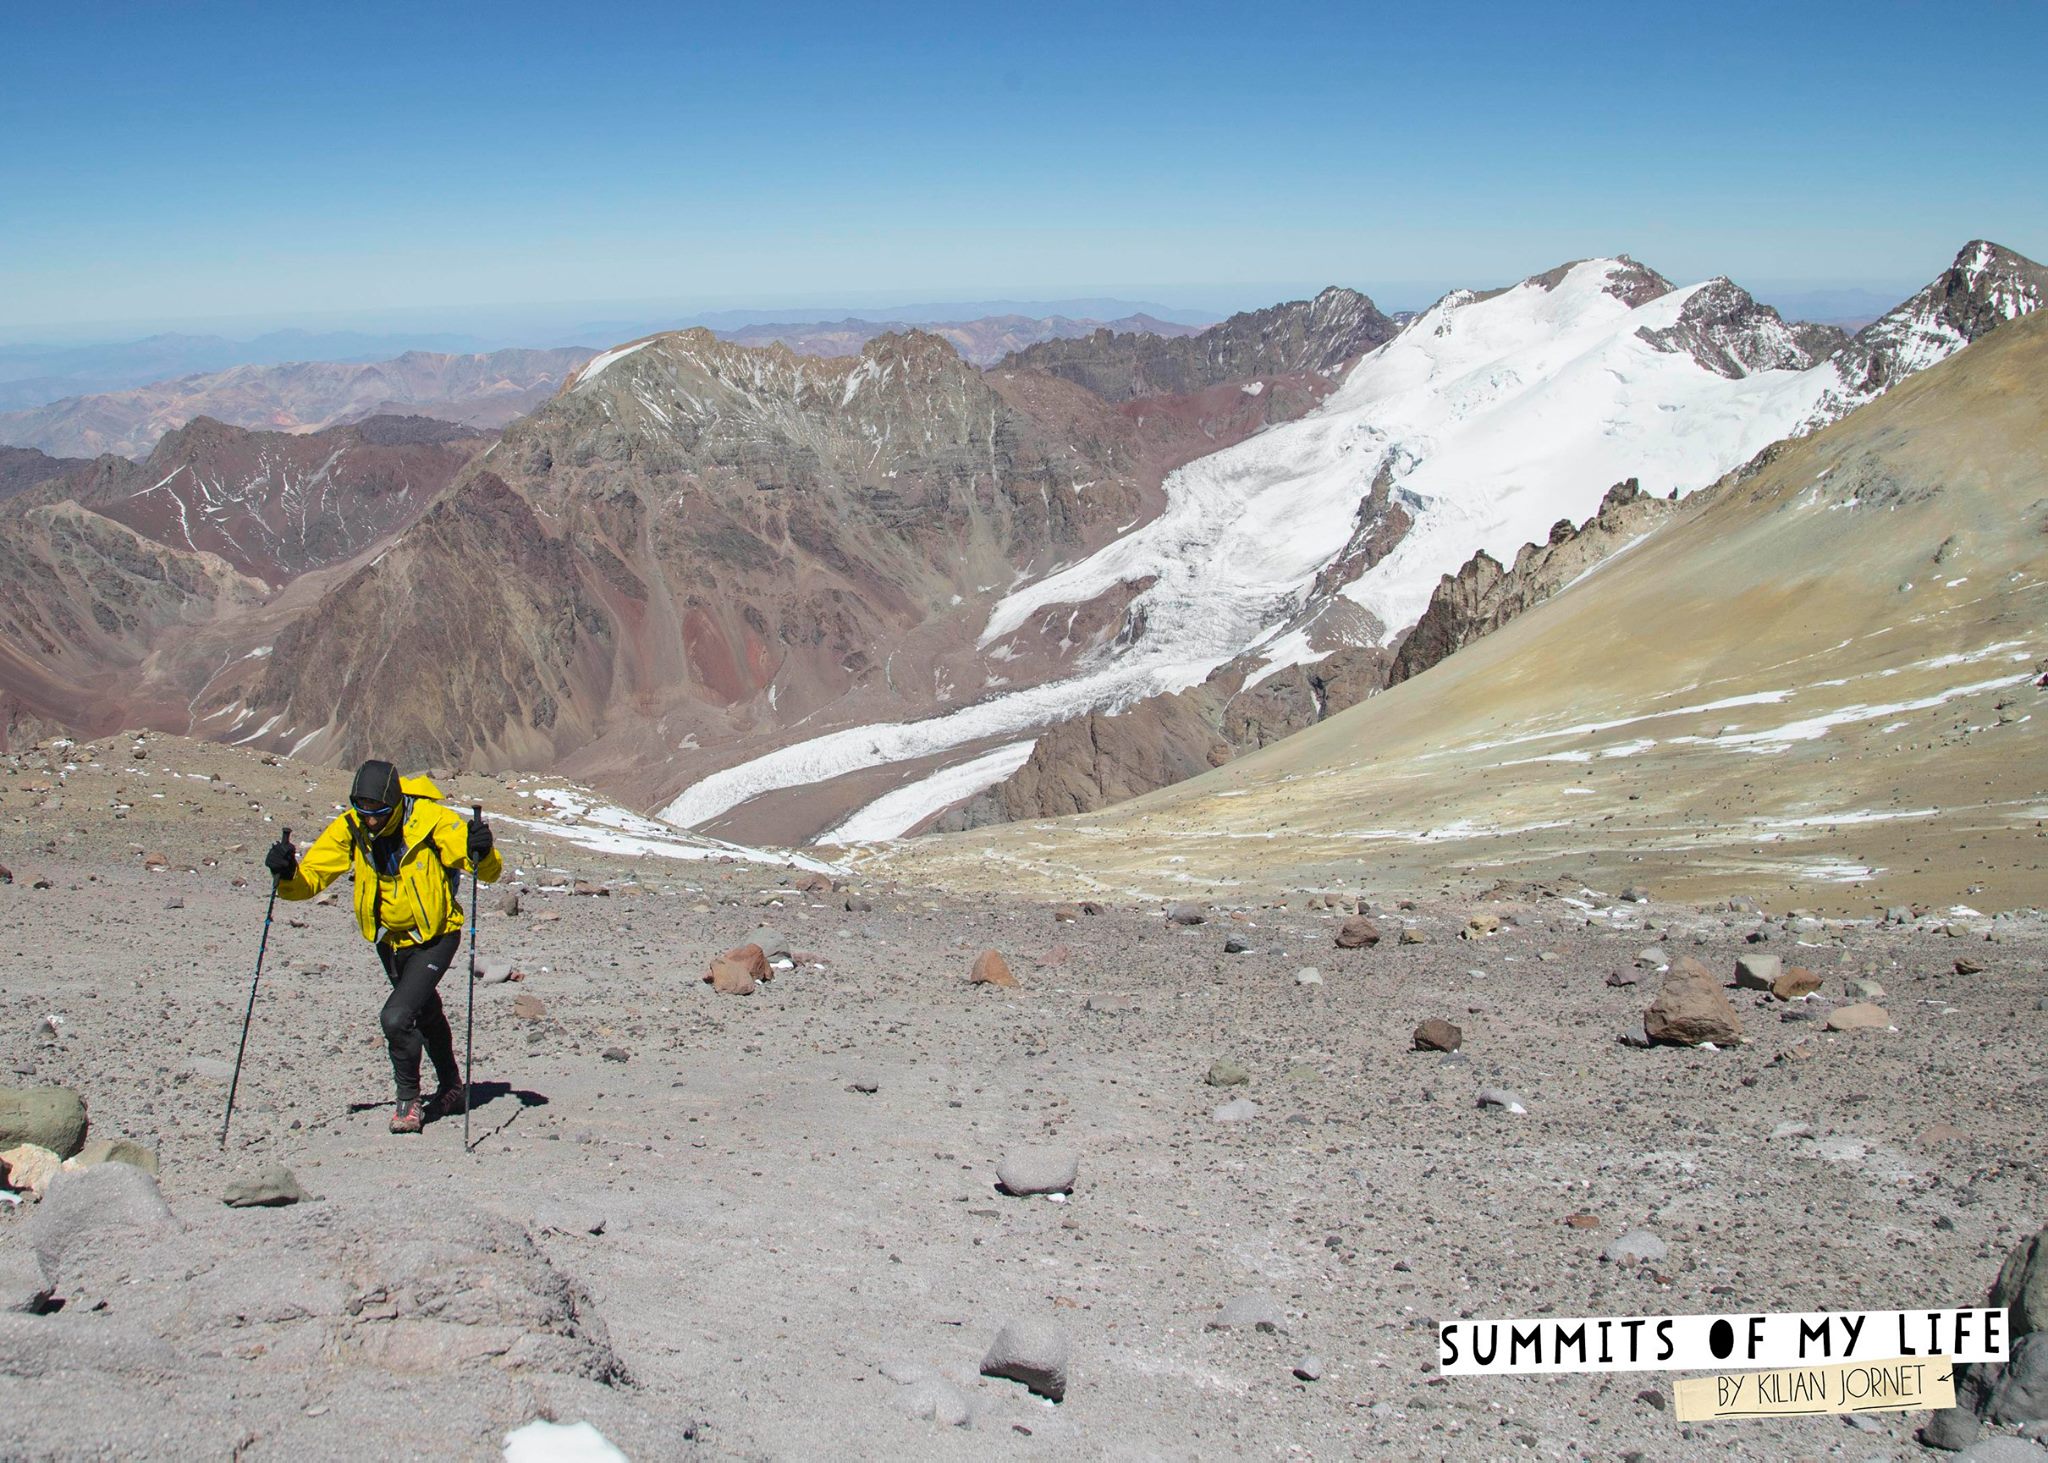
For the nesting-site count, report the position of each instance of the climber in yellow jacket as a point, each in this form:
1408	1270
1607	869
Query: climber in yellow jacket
406	852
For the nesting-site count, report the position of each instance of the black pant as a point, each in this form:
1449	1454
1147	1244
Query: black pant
413	1018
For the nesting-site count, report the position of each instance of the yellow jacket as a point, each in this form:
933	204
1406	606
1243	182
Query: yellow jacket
429	878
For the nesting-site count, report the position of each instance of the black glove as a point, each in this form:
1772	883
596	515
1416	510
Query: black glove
282	860
480	841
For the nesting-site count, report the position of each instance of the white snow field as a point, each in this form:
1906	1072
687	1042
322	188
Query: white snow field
1493	416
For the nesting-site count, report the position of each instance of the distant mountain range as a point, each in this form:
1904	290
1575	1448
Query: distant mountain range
487	389
981	342
35	375
476	390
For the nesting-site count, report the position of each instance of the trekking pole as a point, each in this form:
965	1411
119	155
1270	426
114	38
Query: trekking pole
476	818
261	946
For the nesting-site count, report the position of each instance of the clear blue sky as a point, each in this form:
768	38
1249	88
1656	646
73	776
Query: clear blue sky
287	161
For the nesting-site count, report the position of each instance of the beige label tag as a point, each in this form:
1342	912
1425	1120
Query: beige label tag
1855	1386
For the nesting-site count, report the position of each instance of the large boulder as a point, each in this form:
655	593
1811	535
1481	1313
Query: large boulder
2015	1391
1690	1009
49	1117
79	1205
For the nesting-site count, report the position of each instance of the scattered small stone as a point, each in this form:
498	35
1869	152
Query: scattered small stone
1863	1016
1187	914
1582	1221
1243	1110
1066	914
1032	1352
1027	1171
27	1168
1797	981
991	969
1480	926
1621	978
1652	957
1308	975
1255	1310
1636	894
509	904
1862	988
1437	1035
616	1054
272	1186
1357	933
590	890
1637	1247
1309	1369
1500	1097
1789	1129
113	1150
528	1007
1226	1072
1757	972
867	1086
1236	944
1966	966
1410	935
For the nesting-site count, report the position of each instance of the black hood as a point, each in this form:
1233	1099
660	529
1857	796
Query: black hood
376	782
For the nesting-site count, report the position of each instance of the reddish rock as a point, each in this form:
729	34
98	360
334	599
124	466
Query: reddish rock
737	971
156	862
1863	1016
528	1007
1794	983
1357	933
1436	1035
991	969
1690	1008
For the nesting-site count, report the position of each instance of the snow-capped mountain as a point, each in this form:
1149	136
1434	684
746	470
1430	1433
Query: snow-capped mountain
1483	423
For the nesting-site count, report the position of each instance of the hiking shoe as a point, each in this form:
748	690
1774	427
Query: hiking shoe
450	1102
408	1118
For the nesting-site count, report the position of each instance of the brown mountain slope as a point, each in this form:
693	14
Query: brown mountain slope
84	600
490	389
697	544
1825	681
134	588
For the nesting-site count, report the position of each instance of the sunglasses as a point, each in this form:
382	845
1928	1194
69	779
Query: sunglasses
370	810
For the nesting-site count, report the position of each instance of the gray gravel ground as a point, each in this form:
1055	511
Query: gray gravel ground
721	1244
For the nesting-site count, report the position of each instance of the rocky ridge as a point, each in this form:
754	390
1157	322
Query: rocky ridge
1300	338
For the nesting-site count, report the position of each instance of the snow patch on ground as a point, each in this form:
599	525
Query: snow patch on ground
605	358
580	817
894	813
